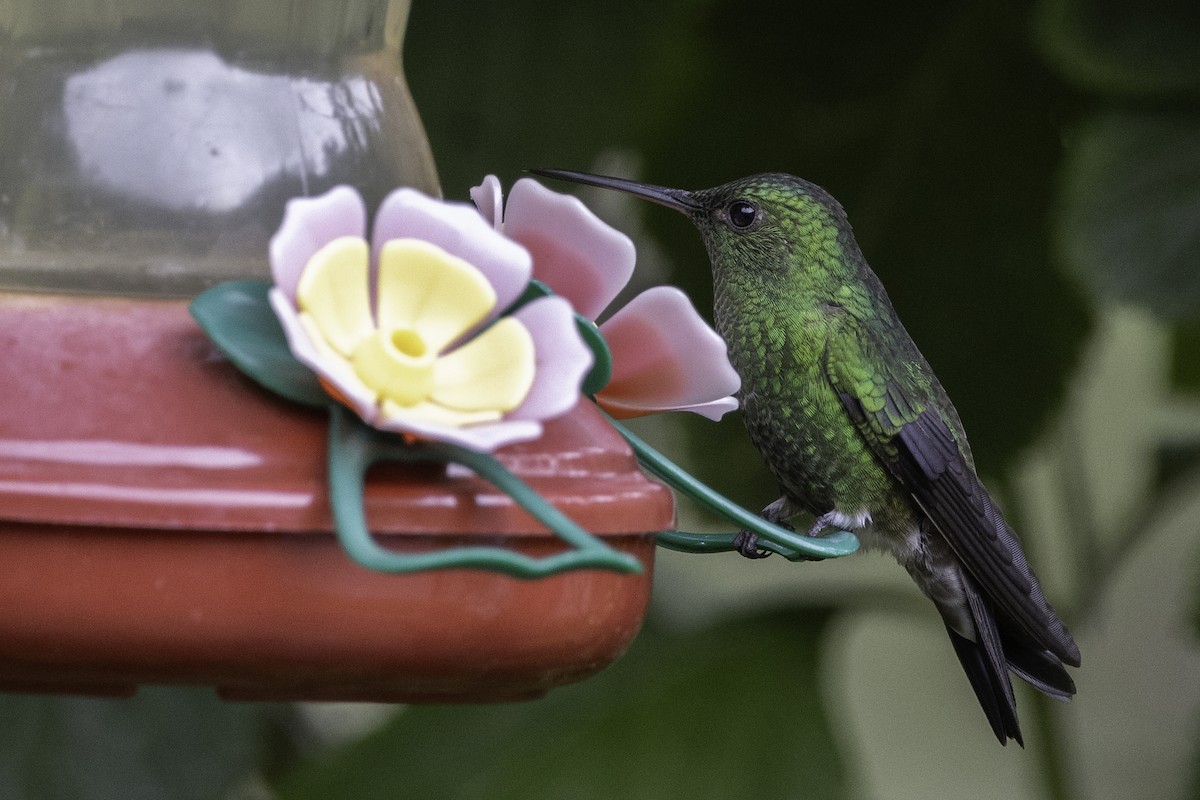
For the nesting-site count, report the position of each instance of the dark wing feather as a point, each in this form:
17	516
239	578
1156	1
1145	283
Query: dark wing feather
901	423
951	495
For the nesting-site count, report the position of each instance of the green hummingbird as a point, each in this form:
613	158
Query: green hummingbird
856	428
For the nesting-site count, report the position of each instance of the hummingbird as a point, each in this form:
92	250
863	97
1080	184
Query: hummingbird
856	428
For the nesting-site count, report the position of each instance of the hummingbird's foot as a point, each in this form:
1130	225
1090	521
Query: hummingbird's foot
819	524
840	520
746	543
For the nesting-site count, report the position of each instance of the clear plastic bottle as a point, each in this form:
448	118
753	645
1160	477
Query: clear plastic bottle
147	147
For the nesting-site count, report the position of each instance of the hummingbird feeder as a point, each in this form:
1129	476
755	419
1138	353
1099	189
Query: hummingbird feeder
311	487
162	518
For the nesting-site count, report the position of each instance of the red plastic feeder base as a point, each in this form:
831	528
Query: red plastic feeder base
163	520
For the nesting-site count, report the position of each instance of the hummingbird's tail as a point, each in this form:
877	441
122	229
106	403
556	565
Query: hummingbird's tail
988	659
992	687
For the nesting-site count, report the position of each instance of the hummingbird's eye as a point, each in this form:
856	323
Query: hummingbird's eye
742	214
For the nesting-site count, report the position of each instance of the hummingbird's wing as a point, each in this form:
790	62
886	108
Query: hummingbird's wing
896	404
906	419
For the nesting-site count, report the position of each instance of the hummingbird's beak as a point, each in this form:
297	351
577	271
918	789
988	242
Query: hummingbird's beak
677	199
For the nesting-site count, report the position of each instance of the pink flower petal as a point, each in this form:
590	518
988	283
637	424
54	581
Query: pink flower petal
666	358
335	371
458	229
310	223
563	360
574	252
713	410
489	199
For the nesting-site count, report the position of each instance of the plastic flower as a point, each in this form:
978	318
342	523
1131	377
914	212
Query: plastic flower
665	357
405	329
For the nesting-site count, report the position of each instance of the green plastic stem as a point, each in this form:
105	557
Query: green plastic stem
789	544
354	447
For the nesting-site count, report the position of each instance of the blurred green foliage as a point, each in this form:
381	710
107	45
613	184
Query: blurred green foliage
1118	49
182	743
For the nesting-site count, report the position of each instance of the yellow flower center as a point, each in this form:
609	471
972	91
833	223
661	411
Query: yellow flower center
426	300
397	364
409	343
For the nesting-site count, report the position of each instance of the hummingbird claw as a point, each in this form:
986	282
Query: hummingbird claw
819	524
746	543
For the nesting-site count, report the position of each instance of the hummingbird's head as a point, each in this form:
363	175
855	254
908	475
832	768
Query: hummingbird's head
761	229
769	223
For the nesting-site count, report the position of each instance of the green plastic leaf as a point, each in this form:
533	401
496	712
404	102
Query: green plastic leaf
1130	210
238	318
1147	47
731	711
177	743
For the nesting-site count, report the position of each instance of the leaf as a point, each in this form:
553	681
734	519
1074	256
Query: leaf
1118	47
1130	210
239	319
177	743
728	711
